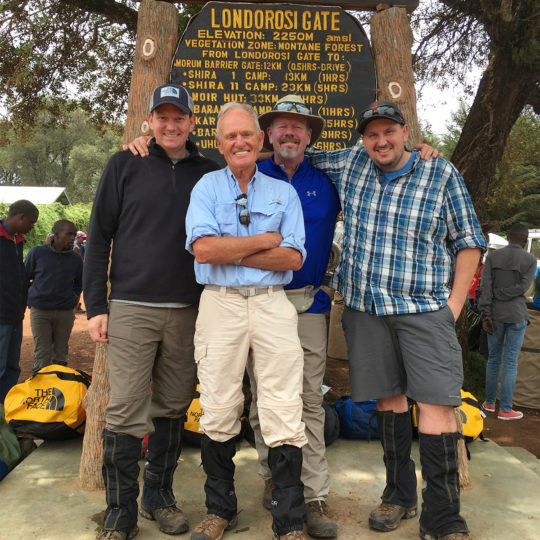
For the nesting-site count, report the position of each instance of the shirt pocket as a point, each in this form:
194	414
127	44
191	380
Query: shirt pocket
226	217
267	219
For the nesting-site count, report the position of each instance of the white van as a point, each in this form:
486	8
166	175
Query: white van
533	243
533	246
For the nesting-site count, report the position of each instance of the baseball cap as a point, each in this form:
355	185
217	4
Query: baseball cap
291	104
81	234
380	109
174	95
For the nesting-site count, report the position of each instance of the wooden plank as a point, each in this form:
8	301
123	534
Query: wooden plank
359	5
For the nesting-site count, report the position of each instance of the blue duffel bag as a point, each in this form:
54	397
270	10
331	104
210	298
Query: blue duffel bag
357	419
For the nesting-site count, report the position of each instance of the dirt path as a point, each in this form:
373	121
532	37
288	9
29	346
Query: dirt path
523	433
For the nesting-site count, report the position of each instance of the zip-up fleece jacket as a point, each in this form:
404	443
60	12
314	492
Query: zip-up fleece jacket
140	207
13	279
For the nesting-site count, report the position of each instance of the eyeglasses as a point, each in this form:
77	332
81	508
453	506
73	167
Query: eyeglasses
286	106
243	217
383	109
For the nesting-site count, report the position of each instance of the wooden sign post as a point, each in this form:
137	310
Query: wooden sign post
157	34
391	41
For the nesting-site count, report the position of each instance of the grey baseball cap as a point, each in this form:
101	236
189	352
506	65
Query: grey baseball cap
172	94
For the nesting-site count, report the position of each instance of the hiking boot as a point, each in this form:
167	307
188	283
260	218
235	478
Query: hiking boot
267	494
510	415
319	523
292	535
387	517
487	407
106	534
212	527
171	520
424	535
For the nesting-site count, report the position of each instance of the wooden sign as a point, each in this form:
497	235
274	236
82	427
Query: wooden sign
258	53
359	5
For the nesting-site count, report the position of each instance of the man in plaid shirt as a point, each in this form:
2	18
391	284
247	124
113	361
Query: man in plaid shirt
412	244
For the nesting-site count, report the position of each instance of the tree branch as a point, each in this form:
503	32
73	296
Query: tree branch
115	12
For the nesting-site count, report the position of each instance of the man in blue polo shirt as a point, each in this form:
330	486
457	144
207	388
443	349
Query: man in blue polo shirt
289	128
247	234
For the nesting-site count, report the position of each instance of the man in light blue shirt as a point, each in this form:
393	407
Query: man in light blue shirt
246	231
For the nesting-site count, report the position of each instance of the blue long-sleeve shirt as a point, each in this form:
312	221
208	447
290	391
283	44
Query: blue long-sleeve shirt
273	207
56	277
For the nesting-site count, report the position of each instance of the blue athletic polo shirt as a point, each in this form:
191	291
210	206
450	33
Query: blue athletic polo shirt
320	205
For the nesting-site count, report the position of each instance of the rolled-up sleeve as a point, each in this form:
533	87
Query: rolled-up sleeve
292	225
464	230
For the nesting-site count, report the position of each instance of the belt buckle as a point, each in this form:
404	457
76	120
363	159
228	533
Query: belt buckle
248	291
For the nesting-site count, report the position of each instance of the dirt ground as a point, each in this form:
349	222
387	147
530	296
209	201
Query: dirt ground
524	433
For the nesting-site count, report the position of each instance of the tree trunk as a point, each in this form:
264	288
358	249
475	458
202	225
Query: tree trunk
391	40
94	402
157	35
503	92
157	28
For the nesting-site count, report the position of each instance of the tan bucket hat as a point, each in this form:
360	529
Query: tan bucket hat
291	104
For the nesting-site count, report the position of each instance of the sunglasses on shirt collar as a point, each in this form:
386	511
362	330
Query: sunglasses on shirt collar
243	217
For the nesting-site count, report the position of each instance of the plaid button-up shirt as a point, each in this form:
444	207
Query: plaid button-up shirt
402	236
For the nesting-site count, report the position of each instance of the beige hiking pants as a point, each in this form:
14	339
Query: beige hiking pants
229	326
315	476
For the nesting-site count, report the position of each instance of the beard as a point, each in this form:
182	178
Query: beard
287	152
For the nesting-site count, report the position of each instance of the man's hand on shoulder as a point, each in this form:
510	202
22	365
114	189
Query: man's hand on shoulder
427	152
138	146
97	328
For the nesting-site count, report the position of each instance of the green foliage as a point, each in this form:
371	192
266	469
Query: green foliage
429	137
453	129
62	150
46	43
54	50
515	192
48	214
474	380
450	42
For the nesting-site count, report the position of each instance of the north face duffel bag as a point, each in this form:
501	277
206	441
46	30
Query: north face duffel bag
49	404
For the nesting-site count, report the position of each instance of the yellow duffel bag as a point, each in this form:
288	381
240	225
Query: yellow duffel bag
49	404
